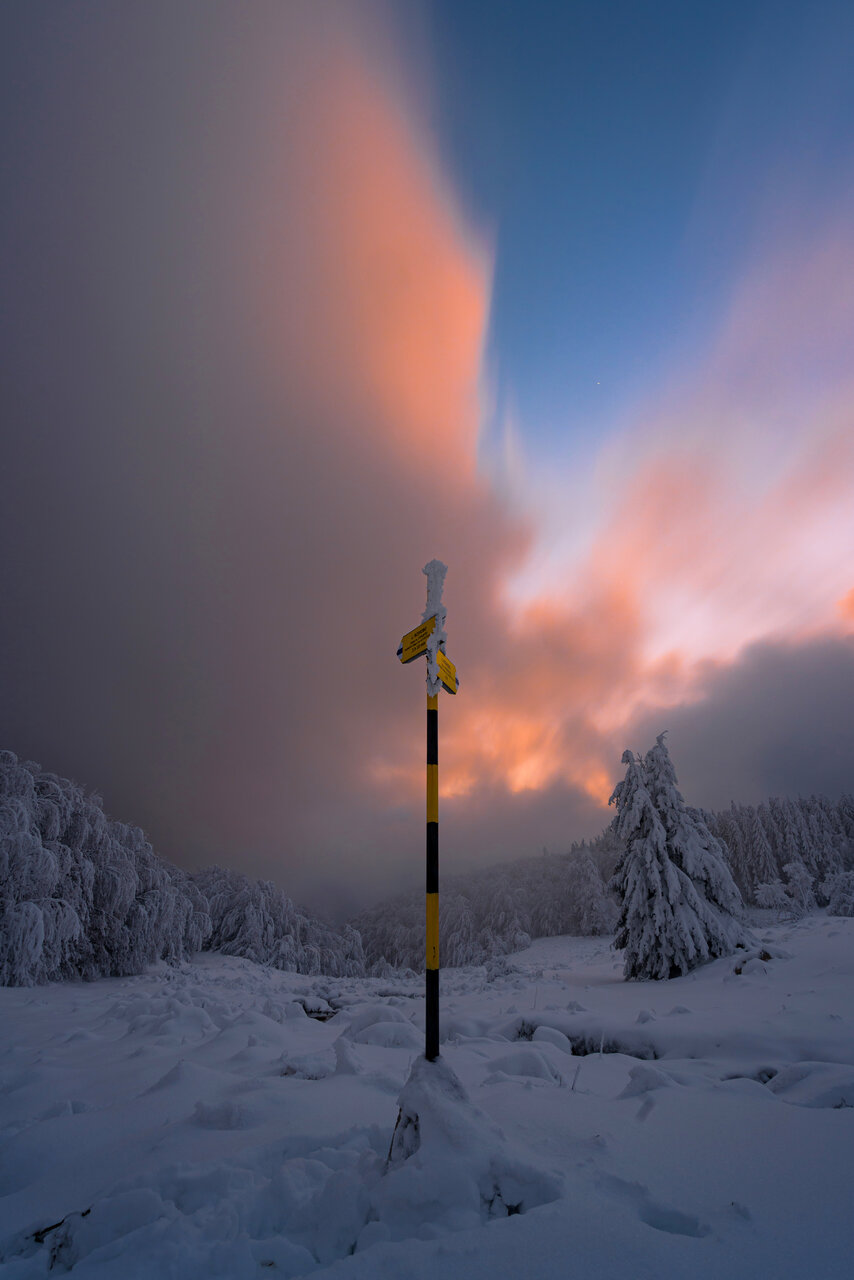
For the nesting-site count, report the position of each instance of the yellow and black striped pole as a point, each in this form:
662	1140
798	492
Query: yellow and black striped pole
431	1025
428	640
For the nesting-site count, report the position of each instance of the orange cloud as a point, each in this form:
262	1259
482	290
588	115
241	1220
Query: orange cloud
392	289
721	517
732	529
315	316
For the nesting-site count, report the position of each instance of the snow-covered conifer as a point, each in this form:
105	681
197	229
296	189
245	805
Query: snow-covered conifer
678	897
659	927
762	865
692	847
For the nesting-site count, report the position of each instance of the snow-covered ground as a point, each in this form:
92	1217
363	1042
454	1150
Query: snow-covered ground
197	1122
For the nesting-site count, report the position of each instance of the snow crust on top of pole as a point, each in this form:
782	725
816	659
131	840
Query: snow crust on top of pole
435	573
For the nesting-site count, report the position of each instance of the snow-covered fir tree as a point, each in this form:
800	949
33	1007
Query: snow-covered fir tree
692	847
815	833
678	897
761	863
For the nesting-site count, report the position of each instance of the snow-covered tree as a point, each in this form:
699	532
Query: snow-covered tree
458	944
799	888
678	897
255	919
594	912
81	896
692	847
838	888
772	896
763	864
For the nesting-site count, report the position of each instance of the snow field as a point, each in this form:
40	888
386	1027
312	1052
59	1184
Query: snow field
196	1121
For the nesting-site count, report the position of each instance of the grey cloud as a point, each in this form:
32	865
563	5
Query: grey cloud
779	721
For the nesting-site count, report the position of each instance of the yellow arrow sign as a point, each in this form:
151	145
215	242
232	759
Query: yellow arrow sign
414	643
447	673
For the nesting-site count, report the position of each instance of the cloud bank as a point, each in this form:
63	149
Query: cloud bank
244	402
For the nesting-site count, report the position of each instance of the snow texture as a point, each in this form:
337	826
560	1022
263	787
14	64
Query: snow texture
183	1123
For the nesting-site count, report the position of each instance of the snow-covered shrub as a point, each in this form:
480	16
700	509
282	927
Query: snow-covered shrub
678	897
255	919
799	888
839	891
772	896
81	896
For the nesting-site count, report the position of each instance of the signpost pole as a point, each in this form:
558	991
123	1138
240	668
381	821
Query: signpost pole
428	640
431	1026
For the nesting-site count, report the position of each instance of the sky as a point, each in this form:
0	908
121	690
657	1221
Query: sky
299	296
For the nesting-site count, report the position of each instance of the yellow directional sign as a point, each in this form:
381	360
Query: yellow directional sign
447	673
414	643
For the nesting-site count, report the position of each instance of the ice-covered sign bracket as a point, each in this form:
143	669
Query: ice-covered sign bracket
428	640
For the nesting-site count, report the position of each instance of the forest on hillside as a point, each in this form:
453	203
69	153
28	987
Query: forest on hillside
83	896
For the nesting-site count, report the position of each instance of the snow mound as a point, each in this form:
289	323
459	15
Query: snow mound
644	1080
367	1017
390	1035
755	959
551	1035
815	1084
450	1165
308	1066
524	1062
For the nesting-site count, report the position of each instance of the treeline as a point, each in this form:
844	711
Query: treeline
791	854
82	896
253	918
497	910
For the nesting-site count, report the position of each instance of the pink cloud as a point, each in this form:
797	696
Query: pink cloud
724	518
288	430
719	519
